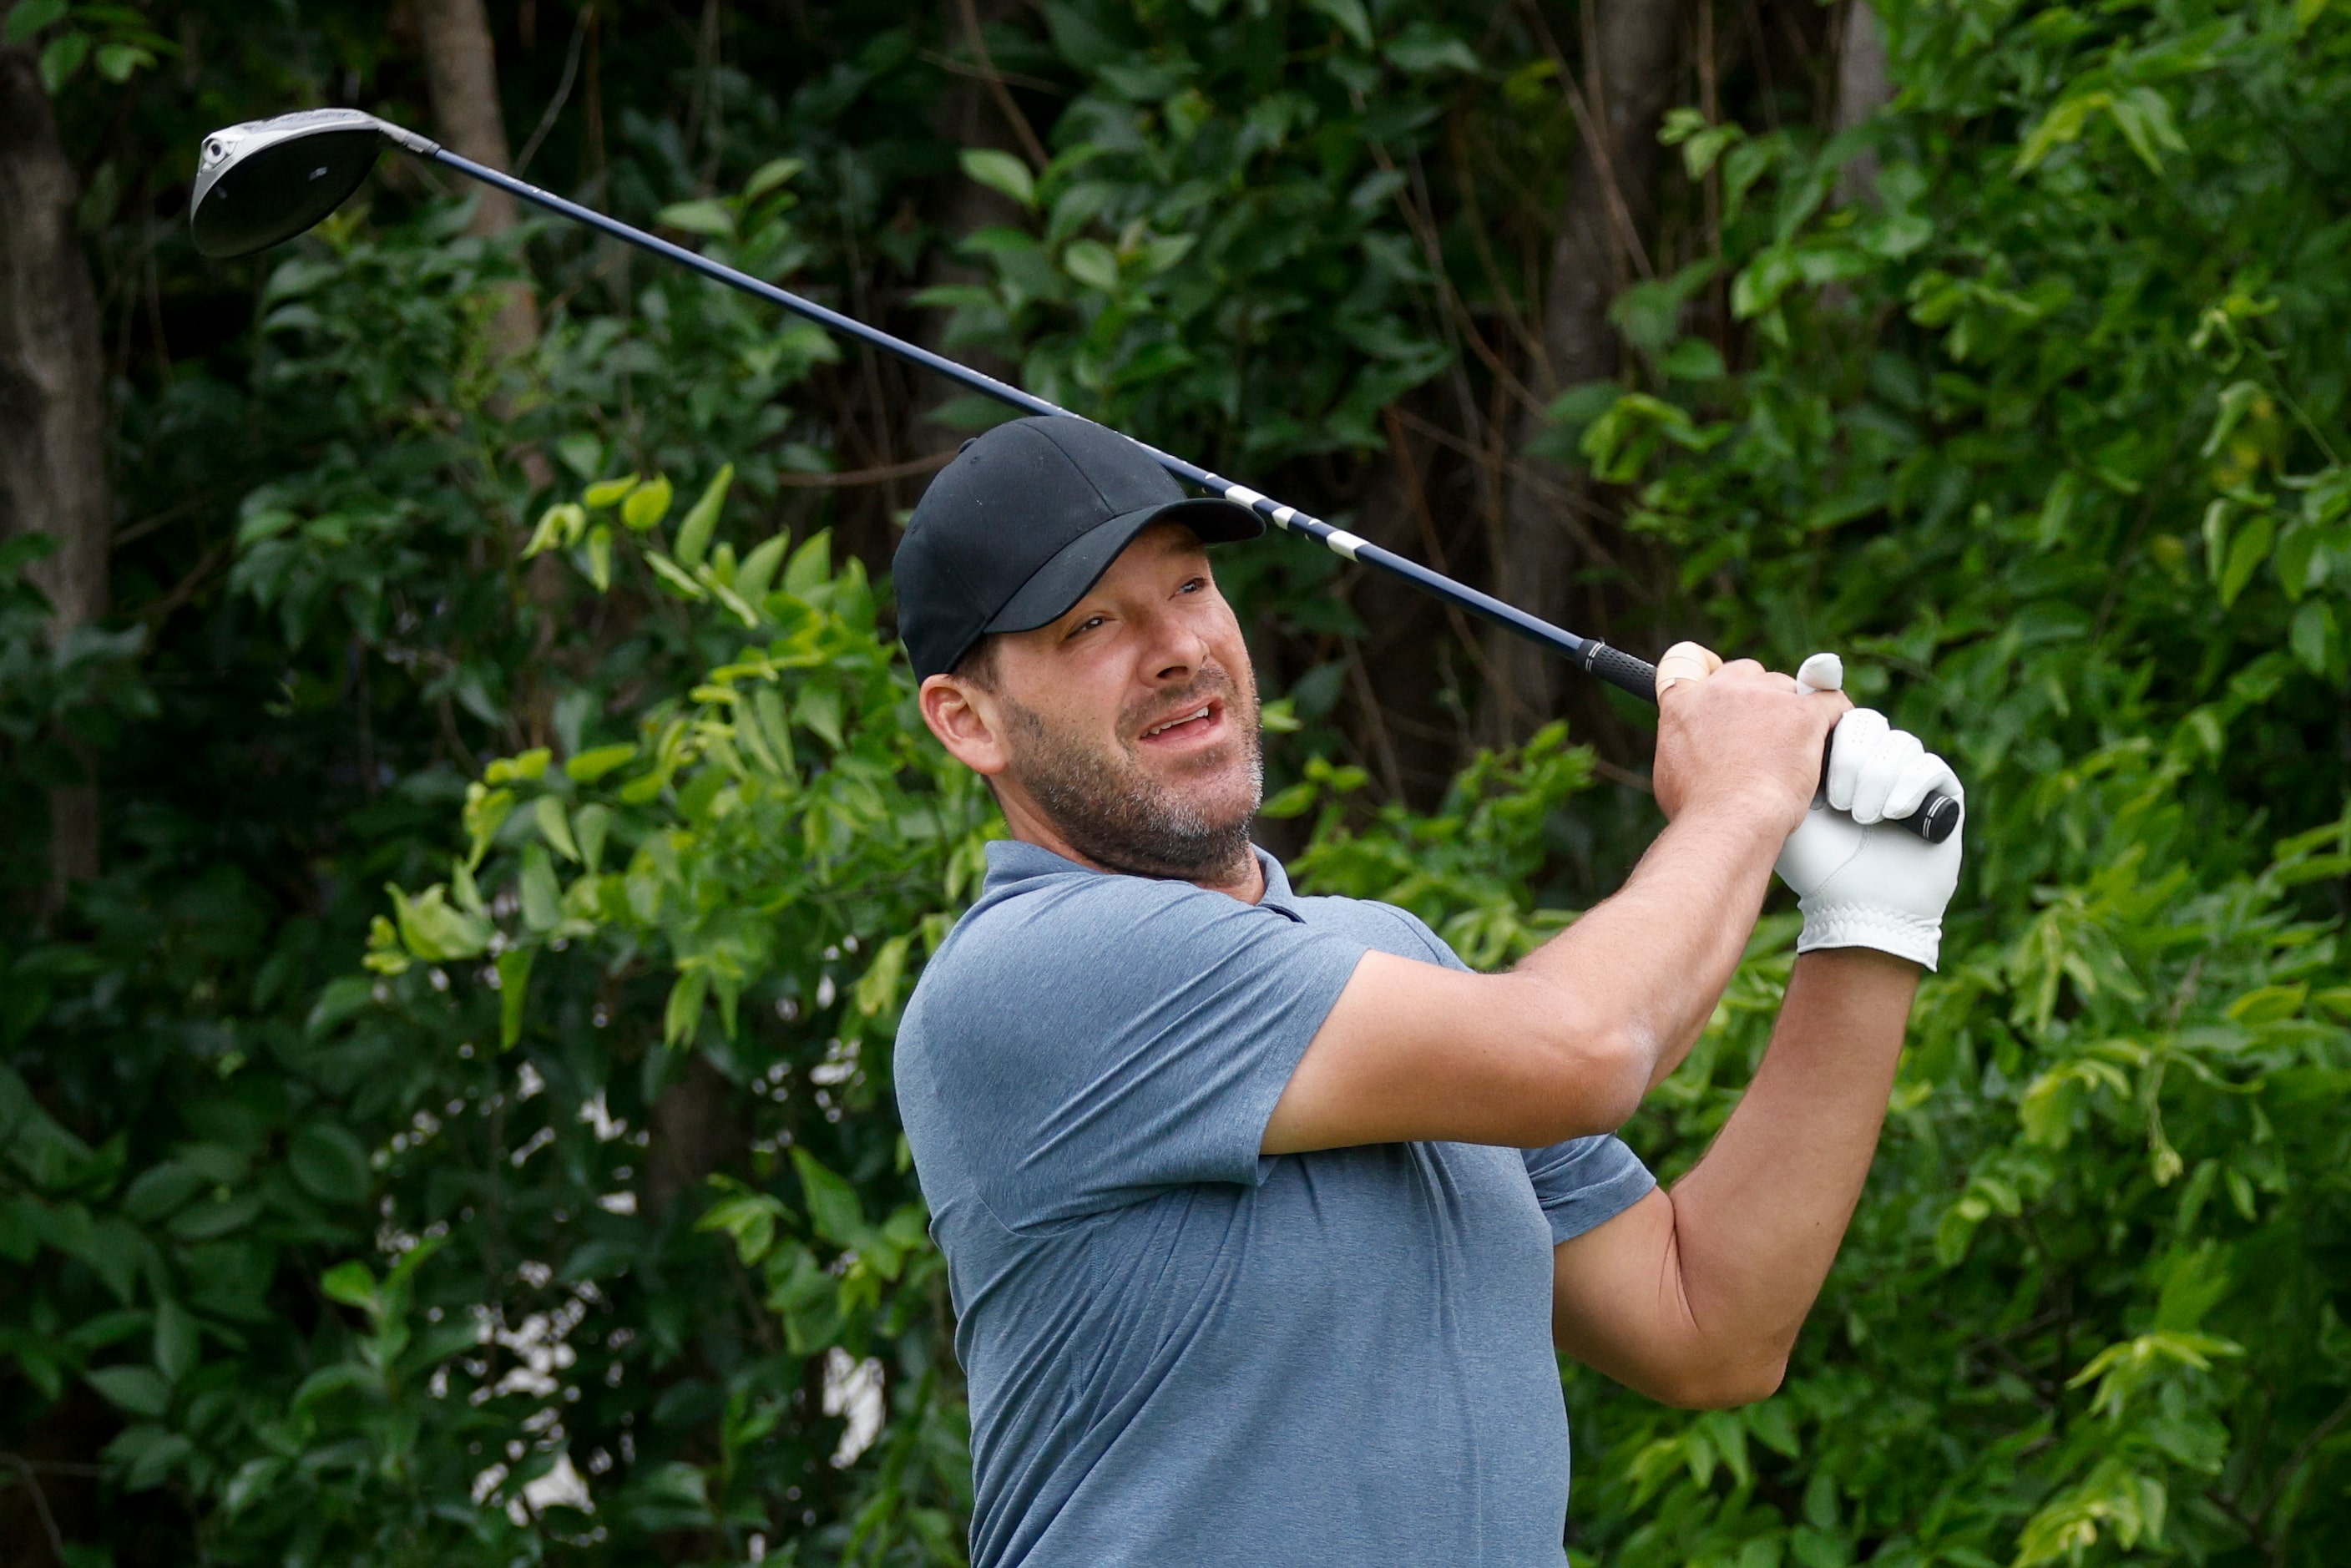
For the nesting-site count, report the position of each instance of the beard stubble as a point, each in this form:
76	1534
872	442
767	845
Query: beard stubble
1117	815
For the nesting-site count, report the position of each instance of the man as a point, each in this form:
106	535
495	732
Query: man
1263	1214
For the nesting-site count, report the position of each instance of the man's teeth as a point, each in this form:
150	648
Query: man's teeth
1179	718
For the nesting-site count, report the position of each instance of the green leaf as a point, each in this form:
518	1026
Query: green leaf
832	1205
542	899
592	824
818	710
706	216
682	1015
547	813
149	1454
759	568
486	810
29	17
749	1216
599	557
675	577
514	991
770	175
223	1216
581	451
62	58
2145	120
2236	401
1423	49
2314	635
329	1162
1000	172
1091	263
607	492
694	534
1353	19
432	931
351	1283
2059	126
177	1346
768	711
141	1390
877	991
2269	1004
810	566
559	525
1161	254
597	761
647	505
117	62
1694	360
2246	553
523	766
336	1383
160	1188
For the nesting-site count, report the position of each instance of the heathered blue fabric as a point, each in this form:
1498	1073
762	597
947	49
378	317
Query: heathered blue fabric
1180	1350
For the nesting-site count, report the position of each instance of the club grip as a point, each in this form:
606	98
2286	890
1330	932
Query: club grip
1936	816
1934	819
1620	670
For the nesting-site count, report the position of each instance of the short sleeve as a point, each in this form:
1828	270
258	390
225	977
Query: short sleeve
1096	1043
1585	1182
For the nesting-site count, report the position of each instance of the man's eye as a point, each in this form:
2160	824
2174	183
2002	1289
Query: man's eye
1195	586
1088	624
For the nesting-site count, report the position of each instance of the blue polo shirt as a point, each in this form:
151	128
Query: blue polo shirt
1180	1350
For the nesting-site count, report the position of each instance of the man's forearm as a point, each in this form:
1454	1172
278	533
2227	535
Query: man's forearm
1657	955
1757	1222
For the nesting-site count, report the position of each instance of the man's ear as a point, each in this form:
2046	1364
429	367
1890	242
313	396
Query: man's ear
968	723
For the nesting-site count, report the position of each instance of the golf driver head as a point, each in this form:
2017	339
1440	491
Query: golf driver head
268	180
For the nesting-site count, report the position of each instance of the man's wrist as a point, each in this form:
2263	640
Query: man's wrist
1760	814
1894	932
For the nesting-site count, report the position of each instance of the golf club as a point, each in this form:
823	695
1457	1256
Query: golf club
267	181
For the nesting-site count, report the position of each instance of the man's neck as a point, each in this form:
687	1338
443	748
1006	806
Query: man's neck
1245	881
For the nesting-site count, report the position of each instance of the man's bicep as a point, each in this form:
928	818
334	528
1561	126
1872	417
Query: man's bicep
1616	1303
1413	1052
1619	1306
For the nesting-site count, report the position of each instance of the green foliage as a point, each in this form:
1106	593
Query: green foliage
1213	227
2078	503
550	1203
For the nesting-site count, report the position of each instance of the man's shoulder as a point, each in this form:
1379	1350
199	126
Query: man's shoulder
1385	926
1063	918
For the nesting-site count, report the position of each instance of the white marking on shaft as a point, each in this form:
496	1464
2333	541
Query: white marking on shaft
1243	494
1281	516
1345	543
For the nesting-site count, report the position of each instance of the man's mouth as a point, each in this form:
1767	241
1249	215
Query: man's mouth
1185	726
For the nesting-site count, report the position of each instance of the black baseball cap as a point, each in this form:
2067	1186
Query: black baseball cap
1024	522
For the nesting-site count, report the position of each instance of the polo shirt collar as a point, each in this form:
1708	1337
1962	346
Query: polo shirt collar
1011	862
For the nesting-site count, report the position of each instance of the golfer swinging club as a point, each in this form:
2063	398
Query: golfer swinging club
1263	1214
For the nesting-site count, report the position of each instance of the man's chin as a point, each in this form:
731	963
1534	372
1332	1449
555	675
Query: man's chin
1223	788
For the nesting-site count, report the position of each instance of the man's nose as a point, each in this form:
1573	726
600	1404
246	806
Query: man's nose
1176	651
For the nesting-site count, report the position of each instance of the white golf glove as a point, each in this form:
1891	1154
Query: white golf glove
1861	880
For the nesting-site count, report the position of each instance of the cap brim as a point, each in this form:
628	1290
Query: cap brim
1061	581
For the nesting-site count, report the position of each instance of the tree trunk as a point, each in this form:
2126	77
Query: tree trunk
461	70
976	111
697	1128
1864	86
52	402
1628	77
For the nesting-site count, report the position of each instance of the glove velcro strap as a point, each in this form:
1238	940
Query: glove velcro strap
1905	935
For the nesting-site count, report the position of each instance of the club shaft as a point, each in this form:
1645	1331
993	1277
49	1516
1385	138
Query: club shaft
1619	669
1558	639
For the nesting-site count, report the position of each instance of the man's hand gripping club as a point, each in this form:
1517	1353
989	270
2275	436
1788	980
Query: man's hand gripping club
1858	884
